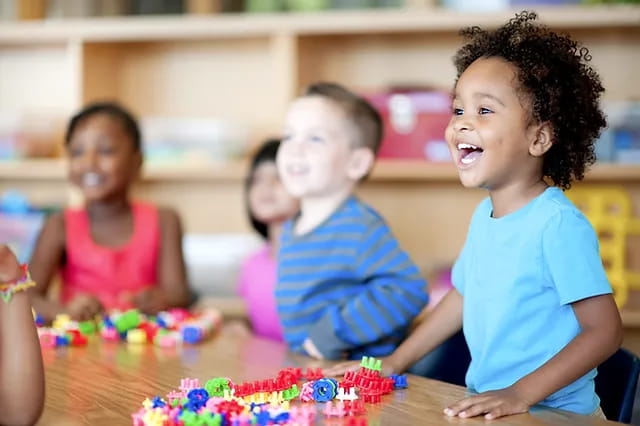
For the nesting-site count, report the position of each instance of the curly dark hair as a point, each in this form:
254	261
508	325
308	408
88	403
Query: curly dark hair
553	72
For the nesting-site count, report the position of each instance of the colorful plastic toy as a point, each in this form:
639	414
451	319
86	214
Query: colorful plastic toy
266	402
167	329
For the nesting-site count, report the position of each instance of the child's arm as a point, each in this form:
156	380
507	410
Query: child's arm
393	294
443	322
600	337
172	289
21	371
45	262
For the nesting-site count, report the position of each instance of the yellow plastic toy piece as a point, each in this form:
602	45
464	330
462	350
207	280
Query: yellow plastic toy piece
61	321
155	417
608	208
136	336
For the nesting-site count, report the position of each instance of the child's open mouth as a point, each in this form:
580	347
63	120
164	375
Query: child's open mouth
91	179
297	170
469	153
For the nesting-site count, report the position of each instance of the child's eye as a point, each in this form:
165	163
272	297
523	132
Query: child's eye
75	152
457	111
316	139
483	111
106	150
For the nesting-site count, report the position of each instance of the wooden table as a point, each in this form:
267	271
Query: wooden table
103	383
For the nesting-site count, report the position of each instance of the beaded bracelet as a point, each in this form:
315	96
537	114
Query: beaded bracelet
8	289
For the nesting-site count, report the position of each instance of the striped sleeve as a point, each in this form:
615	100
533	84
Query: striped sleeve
395	293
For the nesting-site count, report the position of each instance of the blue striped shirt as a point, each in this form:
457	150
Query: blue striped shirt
347	285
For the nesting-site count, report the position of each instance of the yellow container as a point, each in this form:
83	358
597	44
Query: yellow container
608	208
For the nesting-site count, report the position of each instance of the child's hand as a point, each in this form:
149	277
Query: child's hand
311	349
150	301
493	404
388	367
9	266
84	307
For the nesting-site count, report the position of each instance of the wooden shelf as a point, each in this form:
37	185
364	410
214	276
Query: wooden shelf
327	22
56	169
385	170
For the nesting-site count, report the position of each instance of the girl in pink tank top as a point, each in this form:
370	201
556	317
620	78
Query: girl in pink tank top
112	253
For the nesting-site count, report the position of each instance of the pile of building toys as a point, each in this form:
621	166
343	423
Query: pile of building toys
272	401
167	329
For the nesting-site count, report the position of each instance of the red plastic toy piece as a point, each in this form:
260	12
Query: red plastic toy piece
292	374
354	408
77	338
150	329
371	398
314	374
229	407
349	376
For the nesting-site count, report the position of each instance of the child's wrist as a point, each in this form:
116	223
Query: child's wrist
9	288
520	389
392	365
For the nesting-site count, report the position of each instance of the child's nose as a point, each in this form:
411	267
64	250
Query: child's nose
296	147
90	159
462	123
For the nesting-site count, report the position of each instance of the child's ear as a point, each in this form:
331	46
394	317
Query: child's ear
542	139
360	162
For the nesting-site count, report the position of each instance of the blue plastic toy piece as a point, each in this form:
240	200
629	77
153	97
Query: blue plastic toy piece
157	402
62	341
399	381
191	335
198	398
324	390
39	320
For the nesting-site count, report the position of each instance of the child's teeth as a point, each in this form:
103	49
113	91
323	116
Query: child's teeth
467	160
466	146
91	179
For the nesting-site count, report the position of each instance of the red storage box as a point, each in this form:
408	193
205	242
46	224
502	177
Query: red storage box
414	124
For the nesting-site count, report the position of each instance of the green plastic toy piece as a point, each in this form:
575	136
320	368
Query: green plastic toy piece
87	327
292	393
217	386
127	321
378	365
189	418
371	363
210	419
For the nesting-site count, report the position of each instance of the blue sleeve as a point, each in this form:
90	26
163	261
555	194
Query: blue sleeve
572	257
394	293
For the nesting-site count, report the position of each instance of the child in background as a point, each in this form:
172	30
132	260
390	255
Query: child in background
21	371
113	253
530	290
345	288
269	206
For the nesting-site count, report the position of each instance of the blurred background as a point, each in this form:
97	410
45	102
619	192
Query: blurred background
211	79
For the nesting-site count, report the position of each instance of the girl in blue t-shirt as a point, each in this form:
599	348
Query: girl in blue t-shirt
530	291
